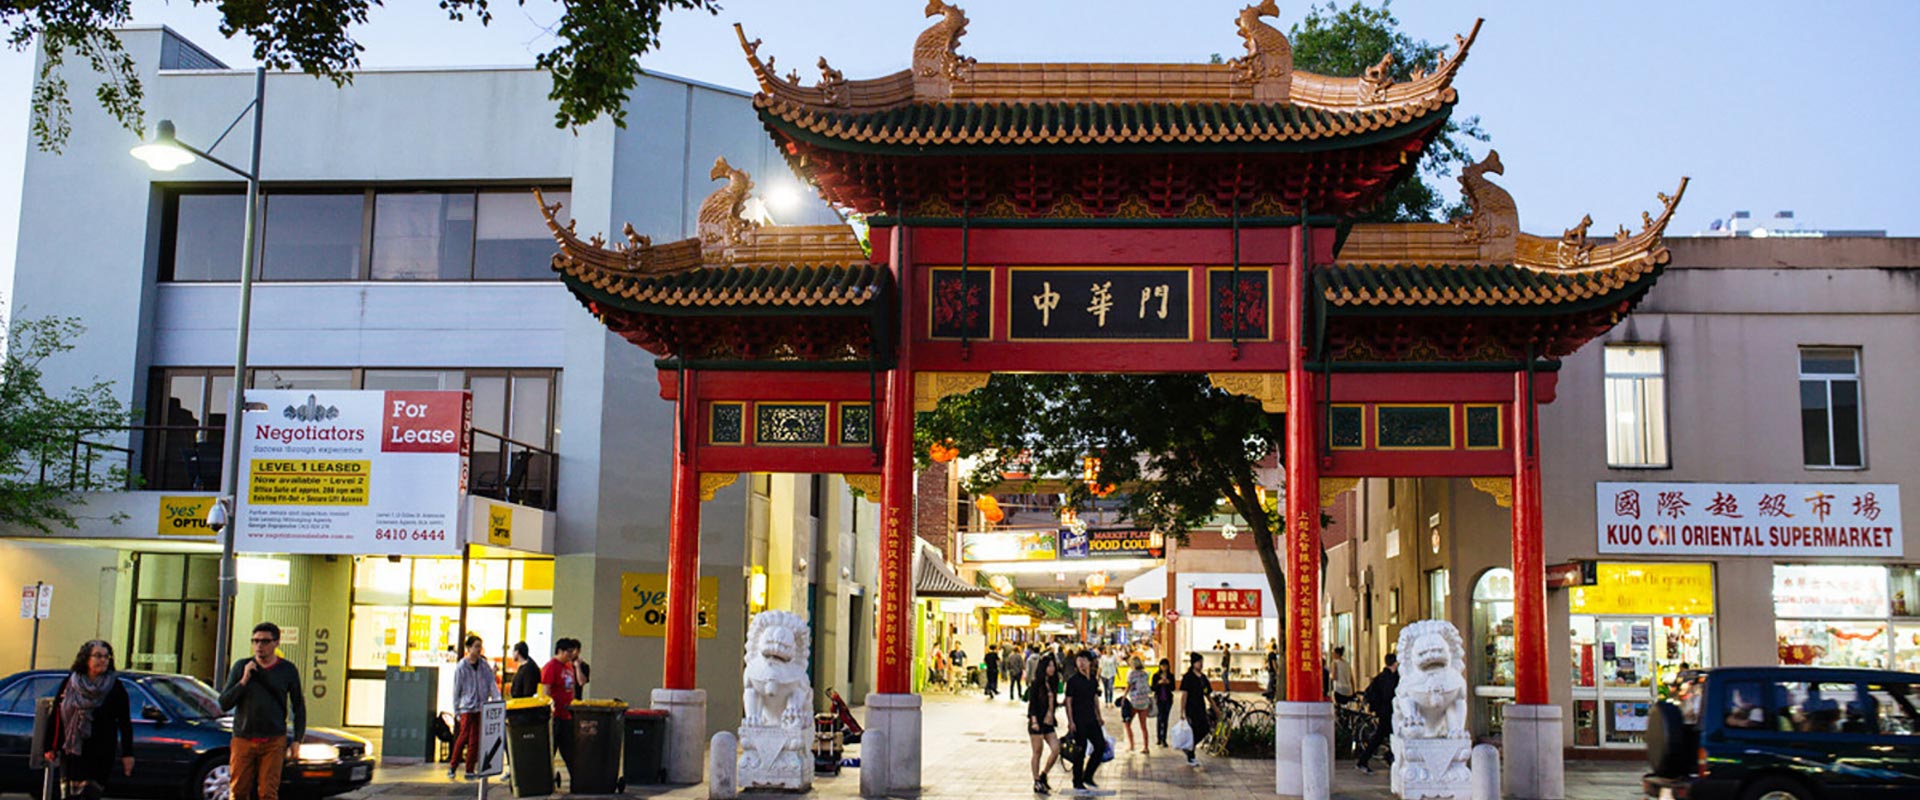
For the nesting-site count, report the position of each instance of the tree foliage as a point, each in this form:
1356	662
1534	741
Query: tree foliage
1332	40
41	471
1173	444
594	64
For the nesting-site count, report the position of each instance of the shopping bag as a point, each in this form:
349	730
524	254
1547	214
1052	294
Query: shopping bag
1181	736
1106	754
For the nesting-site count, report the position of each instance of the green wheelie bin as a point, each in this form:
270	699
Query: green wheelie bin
530	746
597	738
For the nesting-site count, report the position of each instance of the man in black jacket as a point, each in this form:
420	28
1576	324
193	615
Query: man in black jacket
261	691
1380	699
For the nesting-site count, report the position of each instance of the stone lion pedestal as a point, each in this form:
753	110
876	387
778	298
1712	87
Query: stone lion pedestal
776	731
1431	745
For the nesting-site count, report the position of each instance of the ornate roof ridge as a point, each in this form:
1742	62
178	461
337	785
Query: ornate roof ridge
1491	236
725	239
1265	75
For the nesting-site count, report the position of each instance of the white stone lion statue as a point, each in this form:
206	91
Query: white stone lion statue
777	693
1430	739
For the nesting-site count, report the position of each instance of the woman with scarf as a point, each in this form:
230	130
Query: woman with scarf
90	717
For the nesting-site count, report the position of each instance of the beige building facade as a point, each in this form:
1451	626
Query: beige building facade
1751	419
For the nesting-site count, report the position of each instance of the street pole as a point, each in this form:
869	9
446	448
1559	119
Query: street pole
230	469
33	660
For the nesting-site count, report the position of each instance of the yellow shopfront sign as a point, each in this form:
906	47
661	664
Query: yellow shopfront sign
643	605
1645	589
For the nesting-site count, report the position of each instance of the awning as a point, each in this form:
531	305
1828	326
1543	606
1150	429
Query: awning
933	578
1150	585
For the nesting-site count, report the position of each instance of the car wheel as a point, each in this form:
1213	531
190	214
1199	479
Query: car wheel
1778	789
1670	742
214	781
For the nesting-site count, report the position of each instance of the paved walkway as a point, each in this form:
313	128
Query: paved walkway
976	748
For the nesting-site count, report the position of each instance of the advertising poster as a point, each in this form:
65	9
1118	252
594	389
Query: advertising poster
1041	545
353	472
1750	519
1226	602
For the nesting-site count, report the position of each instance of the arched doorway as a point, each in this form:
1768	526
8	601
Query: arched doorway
1492	649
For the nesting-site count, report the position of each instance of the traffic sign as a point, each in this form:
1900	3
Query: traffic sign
36	601
493	738
1172	615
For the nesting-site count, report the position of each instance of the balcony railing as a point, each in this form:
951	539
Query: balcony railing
188	458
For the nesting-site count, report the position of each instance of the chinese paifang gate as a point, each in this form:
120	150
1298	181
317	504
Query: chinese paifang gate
1156	218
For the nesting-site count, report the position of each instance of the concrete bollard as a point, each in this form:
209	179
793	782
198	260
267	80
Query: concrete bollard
723	767
873	763
1315	755
1486	772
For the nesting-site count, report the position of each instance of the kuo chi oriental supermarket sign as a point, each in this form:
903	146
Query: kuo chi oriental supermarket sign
1750	519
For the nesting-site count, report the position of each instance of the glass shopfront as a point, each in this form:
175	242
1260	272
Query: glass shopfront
1847	615
406	612
1632	633
1491	649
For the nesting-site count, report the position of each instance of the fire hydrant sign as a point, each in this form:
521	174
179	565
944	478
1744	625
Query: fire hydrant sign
1750	519
353	472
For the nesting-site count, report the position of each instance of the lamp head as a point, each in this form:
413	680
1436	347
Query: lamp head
164	153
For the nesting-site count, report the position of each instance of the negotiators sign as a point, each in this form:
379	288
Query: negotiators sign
1750	519
348	472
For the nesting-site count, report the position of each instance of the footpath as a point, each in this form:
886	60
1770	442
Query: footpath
977	748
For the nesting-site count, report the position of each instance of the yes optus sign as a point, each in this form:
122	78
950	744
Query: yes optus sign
353	472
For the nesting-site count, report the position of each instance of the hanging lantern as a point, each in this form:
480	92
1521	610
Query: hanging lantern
1001	584
1096	582
1227	531
995	515
942	452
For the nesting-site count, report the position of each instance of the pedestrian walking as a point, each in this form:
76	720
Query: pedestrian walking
1163	684
1086	741
1033	666
526	674
473	686
1194	691
1109	671
993	672
1273	670
1380	698
558	680
1042	722
1139	704
1342	677
261	692
1016	668
957	661
90	720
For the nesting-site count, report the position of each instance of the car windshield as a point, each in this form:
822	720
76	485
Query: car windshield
186	697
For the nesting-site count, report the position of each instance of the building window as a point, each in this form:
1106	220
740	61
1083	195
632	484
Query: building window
1439	590
1830	407
422	236
1847	615
1636	406
175	599
428	234
312	237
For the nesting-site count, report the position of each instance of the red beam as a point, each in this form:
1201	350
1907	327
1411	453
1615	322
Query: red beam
1300	558
1136	357
1436	387
1418	464
773	386
1529	556
683	551
842	460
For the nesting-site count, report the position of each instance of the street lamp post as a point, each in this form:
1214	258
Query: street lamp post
166	153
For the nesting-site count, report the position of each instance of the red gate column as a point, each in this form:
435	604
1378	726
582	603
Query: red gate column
1533	734
893	711
1305	712
1529	558
685	704
683	544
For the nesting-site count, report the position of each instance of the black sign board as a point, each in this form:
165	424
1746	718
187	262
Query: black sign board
958	303
1239	297
1100	304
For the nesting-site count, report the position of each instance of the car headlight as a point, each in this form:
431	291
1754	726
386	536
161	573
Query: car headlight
317	753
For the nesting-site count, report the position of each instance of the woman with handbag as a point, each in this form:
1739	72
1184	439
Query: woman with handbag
90	718
1163	698
1140	702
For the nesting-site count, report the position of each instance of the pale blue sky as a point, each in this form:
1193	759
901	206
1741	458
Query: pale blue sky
1594	105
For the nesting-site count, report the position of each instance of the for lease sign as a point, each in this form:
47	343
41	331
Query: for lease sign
353	472
1750	519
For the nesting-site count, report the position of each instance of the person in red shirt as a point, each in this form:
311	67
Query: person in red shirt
559	680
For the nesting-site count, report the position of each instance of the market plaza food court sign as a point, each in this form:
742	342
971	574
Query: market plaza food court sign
1750	519
1062	544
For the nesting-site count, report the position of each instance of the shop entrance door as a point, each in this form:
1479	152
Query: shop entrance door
1622	665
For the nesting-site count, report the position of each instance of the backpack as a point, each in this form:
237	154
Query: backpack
442	727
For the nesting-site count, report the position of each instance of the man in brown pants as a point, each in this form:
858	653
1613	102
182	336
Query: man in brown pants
262	691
